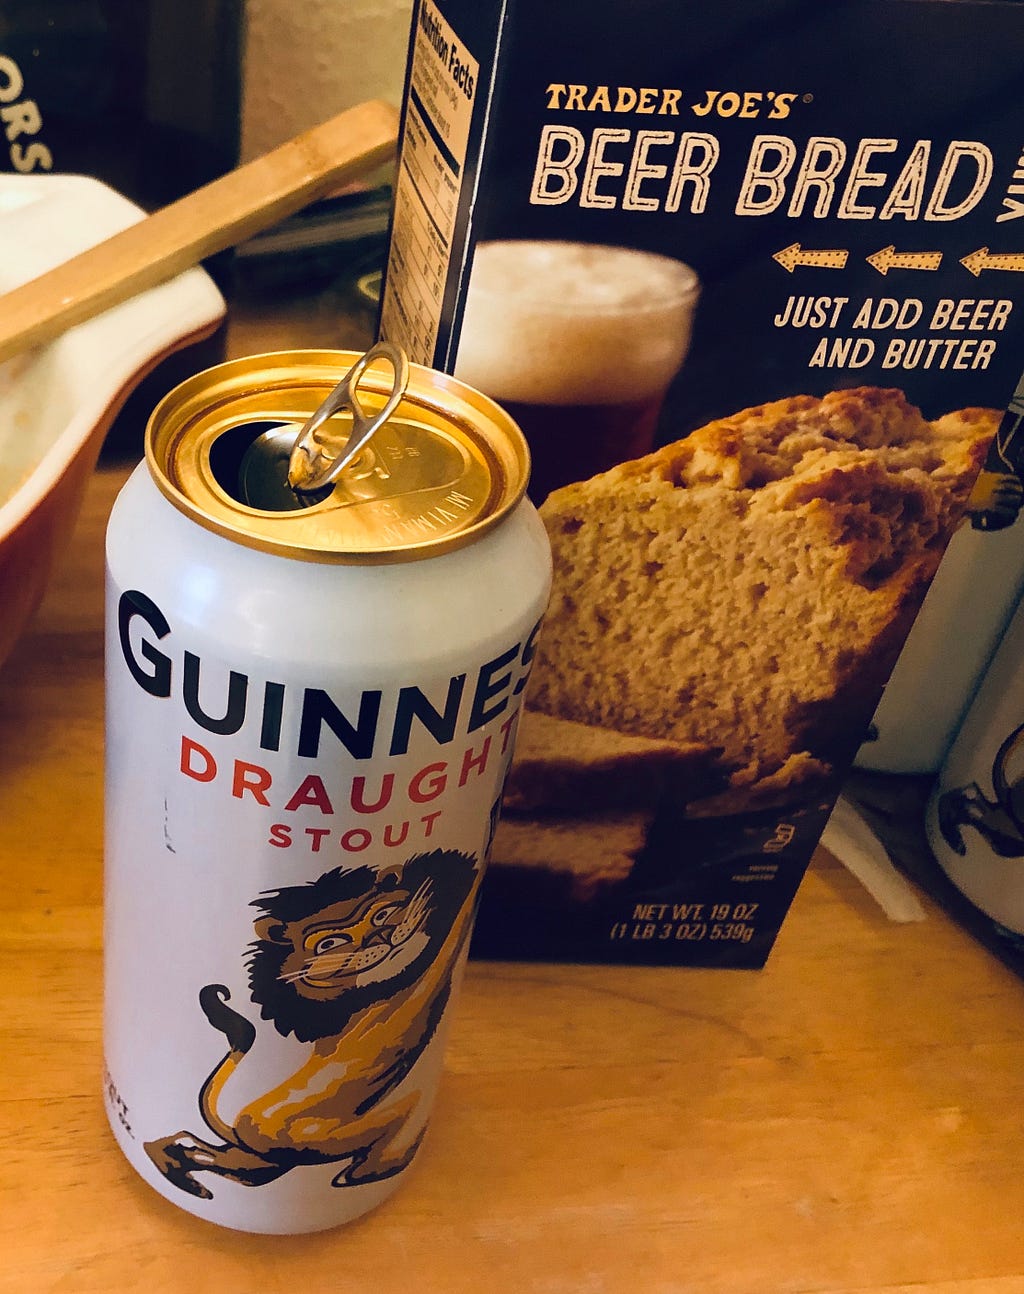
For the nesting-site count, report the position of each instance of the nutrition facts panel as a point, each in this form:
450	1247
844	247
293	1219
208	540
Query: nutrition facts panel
439	110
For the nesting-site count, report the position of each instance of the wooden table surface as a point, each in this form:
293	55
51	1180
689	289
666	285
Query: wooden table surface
849	1119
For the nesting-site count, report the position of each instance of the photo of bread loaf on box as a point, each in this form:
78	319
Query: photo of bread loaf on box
745	590
725	613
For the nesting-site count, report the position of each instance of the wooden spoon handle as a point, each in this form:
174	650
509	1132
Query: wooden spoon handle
220	214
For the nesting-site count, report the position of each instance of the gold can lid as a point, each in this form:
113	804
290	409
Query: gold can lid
443	469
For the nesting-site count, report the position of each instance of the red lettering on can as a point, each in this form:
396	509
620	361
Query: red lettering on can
311	792
189	749
252	778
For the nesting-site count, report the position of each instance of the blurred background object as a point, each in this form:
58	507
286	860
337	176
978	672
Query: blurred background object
144	95
158	97
305	62
57	401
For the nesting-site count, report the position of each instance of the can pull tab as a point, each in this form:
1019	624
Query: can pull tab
315	461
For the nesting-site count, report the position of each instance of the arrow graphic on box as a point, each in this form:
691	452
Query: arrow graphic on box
890	259
983	259
823	259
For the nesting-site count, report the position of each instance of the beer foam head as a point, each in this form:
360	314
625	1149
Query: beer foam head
574	323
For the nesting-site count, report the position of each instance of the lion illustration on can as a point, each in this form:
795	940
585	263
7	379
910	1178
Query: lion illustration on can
359	964
998	819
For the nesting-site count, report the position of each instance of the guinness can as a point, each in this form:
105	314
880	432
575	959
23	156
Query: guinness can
323	600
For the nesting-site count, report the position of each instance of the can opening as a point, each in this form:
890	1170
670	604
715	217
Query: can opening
250	464
445	468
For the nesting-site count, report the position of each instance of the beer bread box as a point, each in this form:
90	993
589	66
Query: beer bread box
749	275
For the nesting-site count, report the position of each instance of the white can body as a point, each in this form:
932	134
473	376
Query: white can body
975	816
254	702
945	656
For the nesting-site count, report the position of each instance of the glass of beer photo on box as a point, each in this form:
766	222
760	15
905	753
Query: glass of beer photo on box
580	344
